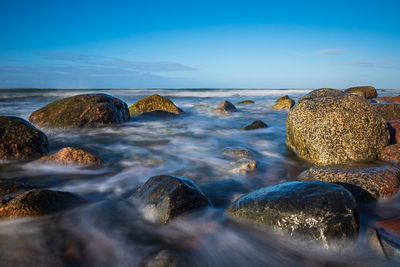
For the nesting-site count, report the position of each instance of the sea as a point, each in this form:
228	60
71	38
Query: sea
108	231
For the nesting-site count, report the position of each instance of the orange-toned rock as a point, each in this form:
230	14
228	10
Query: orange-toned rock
389	111
394	130
391	226
225	108
395	99
390	153
73	156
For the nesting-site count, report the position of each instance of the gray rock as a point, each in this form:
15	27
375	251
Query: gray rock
312	210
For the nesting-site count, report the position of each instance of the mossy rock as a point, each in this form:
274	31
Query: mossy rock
20	140
368	92
91	110
245	102
73	156
332	127
154	105
200	106
258	124
285	97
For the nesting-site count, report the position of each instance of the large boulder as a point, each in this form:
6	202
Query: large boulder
331	127
20	140
73	156
389	111
154	105
366	184
367	92
165	197
91	110
225	107
21	200
315	210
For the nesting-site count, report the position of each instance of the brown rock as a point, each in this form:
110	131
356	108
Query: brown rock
395	99
73	156
20	140
365	184
154	105
367	92
255	125
389	111
390	153
225	107
394	130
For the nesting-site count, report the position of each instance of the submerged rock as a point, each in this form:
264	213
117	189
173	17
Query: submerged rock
390	153
389	111
91	110
73	156
331	127
166	197
312	210
244	166
21	200
20	140
365	184
154	105
225	107
255	125
368	92
237	152
245	102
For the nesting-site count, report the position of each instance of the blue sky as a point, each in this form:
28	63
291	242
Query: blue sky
191	44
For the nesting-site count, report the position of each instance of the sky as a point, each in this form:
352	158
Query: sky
199	44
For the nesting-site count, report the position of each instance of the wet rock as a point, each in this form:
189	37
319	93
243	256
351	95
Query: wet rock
379	100
225	107
255	125
245	102
389	111
163	258
390	153
395	99
73	156
365	184
283	103
90	110
285	97
154	105
165	197
331	127
20	140
368	92
20	200
388	237
394	130
312	210
201	106
244	166
237	152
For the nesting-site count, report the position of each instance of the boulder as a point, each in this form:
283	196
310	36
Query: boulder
166	197
245	102
21	200
285	97
395	99
283	103
20	140
73	156
154	105
331	127
390	154
367	92
366	184
255	125
90	110
311	210
389	111
387	238
394	130
225	107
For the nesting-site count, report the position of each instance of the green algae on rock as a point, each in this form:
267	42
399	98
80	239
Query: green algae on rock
90	110
245	102
20	140
283	103
73	156
258	124
166	197
154	105
328	126
368	92
312	210
366	184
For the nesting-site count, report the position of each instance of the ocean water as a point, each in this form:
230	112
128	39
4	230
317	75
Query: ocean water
109	232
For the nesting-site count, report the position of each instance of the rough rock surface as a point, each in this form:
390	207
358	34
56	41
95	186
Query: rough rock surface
165	197
367	92
91	110
312	210
225	107
245	102
390	153
394	130
154	105
255	125
331	127
20	140
21	200
365	184
283	103
395	99
73	156
389	111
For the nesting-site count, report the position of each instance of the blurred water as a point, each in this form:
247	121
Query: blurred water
111	232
